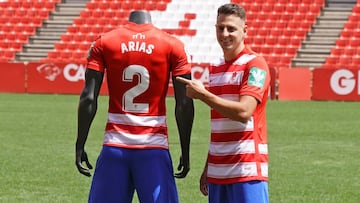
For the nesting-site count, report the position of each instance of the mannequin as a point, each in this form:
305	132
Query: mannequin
170	57
140	17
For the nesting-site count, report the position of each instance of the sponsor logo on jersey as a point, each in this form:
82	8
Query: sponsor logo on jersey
257	77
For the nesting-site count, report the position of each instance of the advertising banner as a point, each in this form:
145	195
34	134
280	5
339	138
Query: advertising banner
65	78
12	77
295	84
336	84
68	78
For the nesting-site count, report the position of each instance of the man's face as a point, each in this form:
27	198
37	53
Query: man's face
230	33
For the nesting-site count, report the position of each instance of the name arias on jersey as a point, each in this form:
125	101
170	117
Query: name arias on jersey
137	46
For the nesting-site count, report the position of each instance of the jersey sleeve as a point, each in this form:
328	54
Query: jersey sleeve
95	60
256	79
180	59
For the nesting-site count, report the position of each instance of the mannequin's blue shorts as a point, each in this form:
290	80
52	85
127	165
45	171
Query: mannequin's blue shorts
120	171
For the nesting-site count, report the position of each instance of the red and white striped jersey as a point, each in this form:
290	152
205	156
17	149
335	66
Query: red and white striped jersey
138	61
238	151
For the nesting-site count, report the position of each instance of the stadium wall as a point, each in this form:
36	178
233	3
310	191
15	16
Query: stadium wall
286	84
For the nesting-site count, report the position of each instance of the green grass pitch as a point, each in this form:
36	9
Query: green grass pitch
314	150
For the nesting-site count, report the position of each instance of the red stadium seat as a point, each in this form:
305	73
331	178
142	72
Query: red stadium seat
91	5
347	52
354	42
9	55
356	60
331	60
60	46
66	37
336	51
340	42
290	50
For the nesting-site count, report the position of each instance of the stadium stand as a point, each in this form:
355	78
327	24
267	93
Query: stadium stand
289	33
345	53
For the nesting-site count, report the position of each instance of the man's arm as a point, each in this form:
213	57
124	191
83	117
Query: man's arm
184	113
241	110
86	113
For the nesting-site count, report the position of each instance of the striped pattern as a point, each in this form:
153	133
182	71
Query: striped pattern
133	131
237	151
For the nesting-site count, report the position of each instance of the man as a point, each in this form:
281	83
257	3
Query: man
237	163
138	60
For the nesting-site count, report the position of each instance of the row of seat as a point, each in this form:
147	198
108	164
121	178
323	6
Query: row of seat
320	2
274	34
346	52
19	20
100	16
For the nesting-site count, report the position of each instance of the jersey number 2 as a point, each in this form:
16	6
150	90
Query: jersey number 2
143	75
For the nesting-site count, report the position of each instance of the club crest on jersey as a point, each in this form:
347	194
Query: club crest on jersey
235	78
138	36
256	77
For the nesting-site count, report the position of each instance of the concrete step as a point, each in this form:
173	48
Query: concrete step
39	46
308	60
51	32
42	51
322	38
329	26
332	24
70	7
334	18
323	33
316	45
337	15
24	58
33	50
41	40
337	10
56	24
66	12
20	56
63	18
312	55
306	65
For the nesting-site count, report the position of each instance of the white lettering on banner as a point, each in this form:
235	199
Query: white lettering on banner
74	73
49	71
342	82
200	73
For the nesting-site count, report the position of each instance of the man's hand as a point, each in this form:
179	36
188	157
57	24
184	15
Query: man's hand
204	184
194	89
183	167
81	156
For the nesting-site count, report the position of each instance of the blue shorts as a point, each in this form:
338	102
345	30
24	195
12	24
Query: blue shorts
246	192
119	172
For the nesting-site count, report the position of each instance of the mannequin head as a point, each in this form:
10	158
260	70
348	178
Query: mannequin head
140	17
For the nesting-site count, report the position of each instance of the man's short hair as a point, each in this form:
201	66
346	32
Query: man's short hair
232	9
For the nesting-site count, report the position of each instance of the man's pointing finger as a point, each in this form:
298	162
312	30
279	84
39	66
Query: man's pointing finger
183	80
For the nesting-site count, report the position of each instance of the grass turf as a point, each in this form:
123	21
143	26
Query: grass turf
314	150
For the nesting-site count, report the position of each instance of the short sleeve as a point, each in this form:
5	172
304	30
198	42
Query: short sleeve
180	59
256	79
95	59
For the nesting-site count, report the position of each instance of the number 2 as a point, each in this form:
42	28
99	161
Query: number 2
128	103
